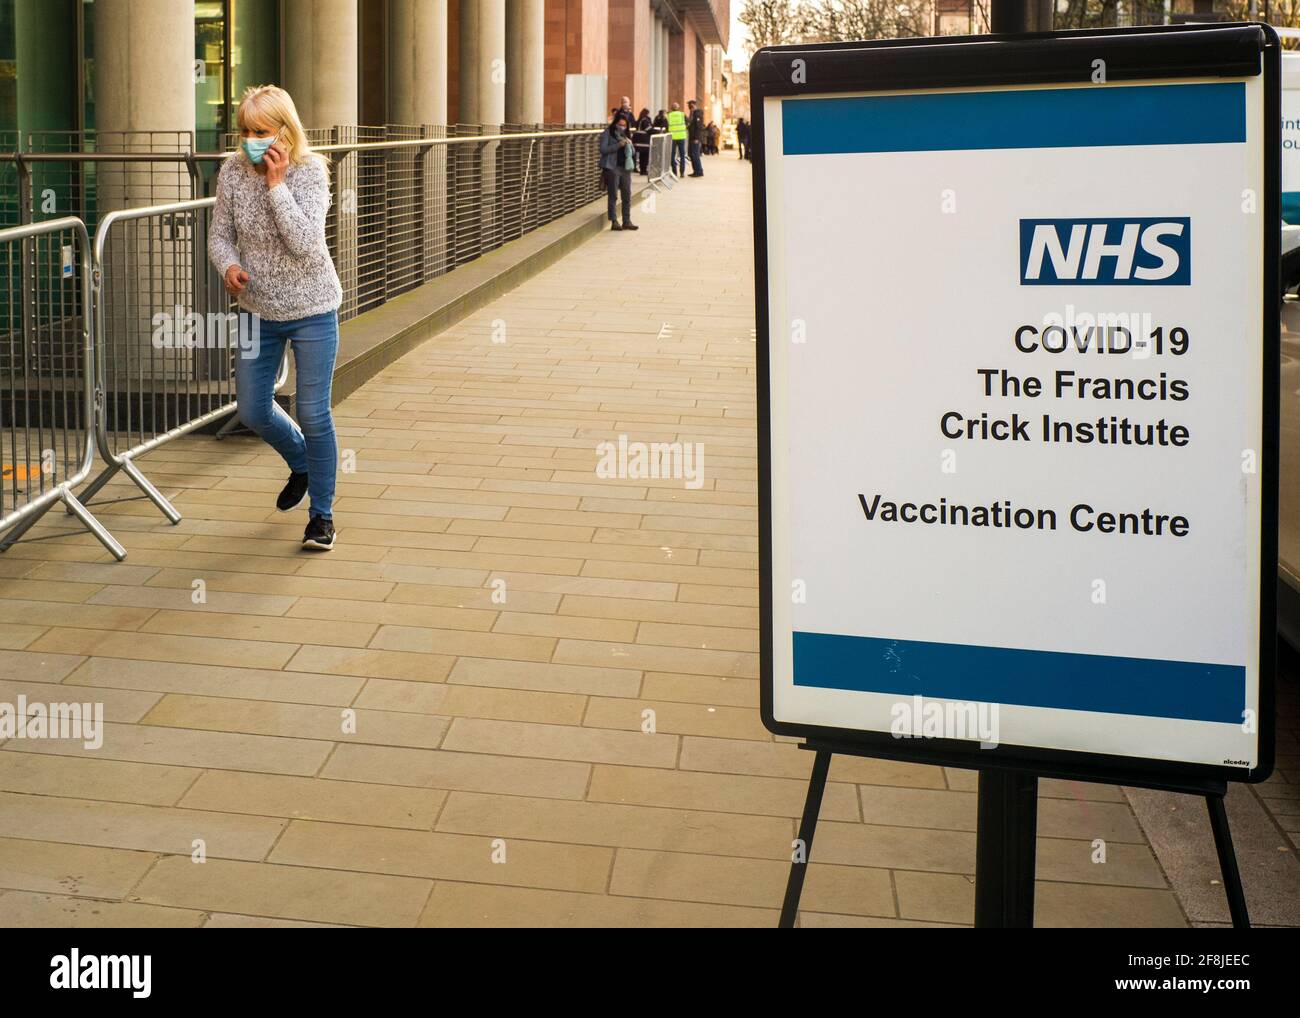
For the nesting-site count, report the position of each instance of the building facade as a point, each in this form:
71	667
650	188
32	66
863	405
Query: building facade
70	67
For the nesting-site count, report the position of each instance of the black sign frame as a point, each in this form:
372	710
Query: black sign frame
1158	52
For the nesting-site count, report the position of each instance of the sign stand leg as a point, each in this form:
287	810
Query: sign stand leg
1005	849
1005	841
1228	862
812	808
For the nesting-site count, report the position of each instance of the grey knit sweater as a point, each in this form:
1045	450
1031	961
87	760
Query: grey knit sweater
278	237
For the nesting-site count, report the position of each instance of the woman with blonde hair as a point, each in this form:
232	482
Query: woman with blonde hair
268	242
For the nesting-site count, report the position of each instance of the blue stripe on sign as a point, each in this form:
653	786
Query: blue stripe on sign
1032	678
1027	118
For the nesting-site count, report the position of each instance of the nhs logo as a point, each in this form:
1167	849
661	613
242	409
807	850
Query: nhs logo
1106	252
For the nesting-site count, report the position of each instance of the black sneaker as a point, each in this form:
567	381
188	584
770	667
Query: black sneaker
615	226
294	491
631	226
319	533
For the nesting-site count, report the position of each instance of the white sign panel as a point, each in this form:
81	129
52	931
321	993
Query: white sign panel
1016	362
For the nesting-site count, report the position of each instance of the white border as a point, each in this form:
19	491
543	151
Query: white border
1031	727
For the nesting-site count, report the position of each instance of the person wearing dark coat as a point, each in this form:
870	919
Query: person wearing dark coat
742	137
616	161
695	134
625	107
641	139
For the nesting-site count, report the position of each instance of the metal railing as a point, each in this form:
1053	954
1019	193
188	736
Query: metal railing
460	191
46	375
409	204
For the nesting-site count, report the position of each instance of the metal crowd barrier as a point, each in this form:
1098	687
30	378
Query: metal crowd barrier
659	169
167	335
47	371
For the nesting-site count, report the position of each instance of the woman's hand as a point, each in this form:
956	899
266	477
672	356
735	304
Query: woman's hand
276	165
236	279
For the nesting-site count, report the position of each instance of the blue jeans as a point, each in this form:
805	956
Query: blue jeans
308	446
678	157
697	167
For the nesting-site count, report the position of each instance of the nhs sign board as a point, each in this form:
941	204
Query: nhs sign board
1106	252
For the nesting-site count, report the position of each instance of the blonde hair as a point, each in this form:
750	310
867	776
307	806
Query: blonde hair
272	105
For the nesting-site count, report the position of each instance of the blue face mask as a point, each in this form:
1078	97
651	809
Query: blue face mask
255	148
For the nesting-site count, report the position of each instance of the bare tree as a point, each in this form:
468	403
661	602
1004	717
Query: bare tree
770	23
1109	13
1282	13
842	20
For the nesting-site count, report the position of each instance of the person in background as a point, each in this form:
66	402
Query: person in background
641	139
661	121
695	133
617	157
677	128
625	107
742	136
712	135
267	241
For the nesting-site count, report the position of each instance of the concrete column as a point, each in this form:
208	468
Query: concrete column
483	69
144	66
144	82
467	61
417	47
677	69
320	73
417	92
514	60
663	65
491	62
654	101
320	60
531	61
690	68
482	88
652	88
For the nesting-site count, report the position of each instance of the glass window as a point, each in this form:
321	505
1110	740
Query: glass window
210	111
8	75
255	53
88	65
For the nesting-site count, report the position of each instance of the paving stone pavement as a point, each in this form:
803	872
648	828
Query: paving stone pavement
441	722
